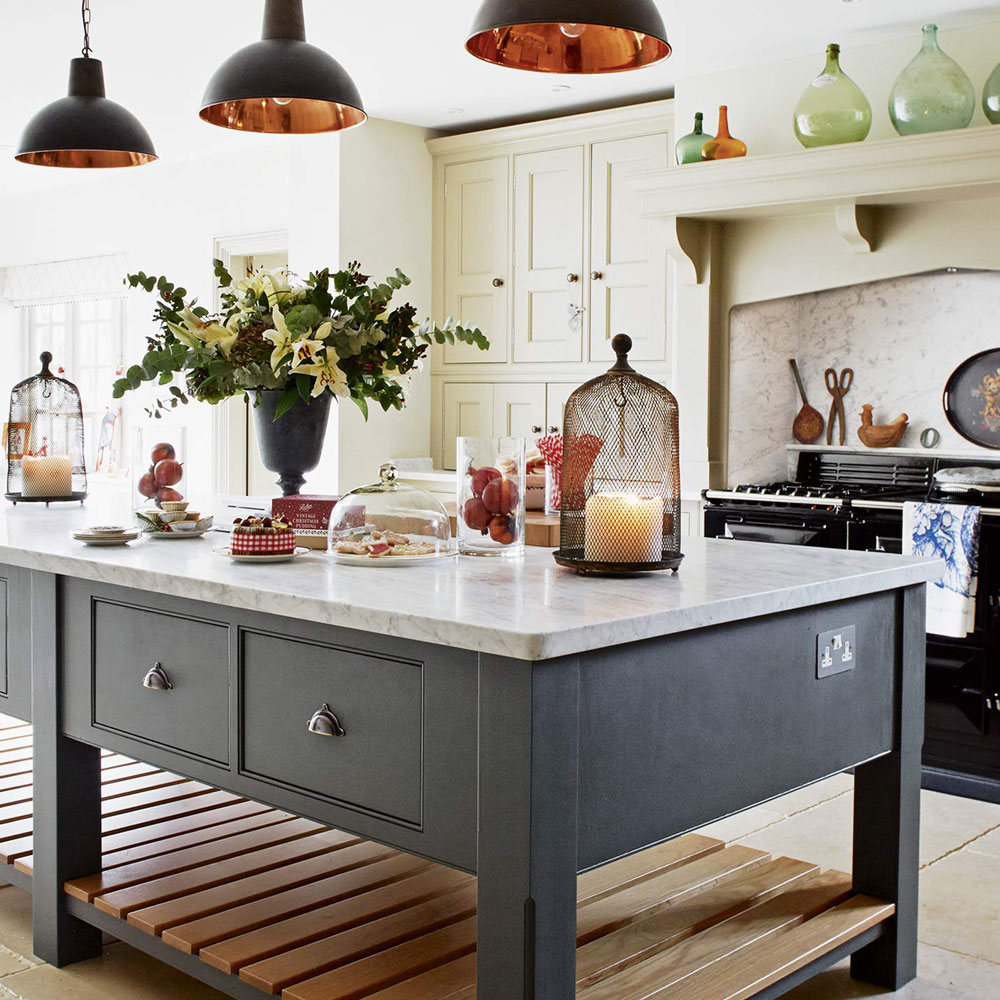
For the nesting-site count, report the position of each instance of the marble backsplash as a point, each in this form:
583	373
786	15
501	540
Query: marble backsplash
903	337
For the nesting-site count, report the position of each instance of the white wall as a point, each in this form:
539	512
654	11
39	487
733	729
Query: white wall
762	98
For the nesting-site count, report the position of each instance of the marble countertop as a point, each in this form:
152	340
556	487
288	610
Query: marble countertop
525	608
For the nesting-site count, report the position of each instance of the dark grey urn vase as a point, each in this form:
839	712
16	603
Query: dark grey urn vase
292	445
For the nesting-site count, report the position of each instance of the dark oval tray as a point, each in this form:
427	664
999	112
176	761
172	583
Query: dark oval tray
573	559
972	399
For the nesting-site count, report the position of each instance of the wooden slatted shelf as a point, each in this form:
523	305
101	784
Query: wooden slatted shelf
294	908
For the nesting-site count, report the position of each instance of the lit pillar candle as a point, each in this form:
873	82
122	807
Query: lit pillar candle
623	529
47	476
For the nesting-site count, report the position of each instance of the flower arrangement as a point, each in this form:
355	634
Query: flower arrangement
335	332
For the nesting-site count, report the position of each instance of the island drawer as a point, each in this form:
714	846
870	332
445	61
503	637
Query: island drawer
15	642
377	701
161	678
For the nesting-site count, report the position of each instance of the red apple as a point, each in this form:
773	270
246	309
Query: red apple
481	478
162	452
475	514
147	485
500	496
168	472
502	530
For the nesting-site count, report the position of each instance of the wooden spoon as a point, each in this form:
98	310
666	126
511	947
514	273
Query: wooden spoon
808	424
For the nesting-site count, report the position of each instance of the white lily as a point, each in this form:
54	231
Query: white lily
281	337
328	375
306	351
198	332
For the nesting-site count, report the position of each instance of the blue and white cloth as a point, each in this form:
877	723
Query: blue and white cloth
950	532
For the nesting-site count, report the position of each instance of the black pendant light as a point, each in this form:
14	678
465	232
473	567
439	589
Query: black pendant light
282	83
85	129
569	36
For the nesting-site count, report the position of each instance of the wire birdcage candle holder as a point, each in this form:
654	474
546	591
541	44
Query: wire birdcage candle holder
621	474
45	457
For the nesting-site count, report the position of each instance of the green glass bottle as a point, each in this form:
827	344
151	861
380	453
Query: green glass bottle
933	93
833	109
991	97
689	146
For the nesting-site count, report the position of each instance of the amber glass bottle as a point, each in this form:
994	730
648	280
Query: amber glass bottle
723	146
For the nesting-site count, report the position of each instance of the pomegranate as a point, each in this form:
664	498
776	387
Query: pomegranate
167	495
147	486
500	496
502	529
475	514
168	472
481	478
162	452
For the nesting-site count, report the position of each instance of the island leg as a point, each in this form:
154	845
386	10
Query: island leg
527	866
66	841
887	813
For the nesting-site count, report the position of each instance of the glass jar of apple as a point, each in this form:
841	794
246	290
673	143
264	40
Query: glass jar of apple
491	496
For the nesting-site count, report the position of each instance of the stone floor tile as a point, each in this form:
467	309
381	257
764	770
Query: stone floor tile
969	975
812	795
120	972
742	824
949	821
960	905
821	835
15	922
988	844
836	984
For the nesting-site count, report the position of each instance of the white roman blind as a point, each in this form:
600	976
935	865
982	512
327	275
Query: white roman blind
81	280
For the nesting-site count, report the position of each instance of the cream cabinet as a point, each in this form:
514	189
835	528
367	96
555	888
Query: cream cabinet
539	239
548	255
628	273
477	255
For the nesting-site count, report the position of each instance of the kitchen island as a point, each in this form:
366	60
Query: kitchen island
485	765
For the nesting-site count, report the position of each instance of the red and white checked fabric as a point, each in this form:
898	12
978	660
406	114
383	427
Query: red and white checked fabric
244	544
551	447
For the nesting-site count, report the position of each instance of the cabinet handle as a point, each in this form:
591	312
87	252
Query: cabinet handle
325	723
156	679
553	429
498	282
597	275
572	278
536	428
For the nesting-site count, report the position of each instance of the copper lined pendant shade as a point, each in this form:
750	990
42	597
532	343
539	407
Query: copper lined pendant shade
85	129
282	84
569	36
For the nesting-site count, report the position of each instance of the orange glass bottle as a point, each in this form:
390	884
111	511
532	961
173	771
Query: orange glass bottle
723	146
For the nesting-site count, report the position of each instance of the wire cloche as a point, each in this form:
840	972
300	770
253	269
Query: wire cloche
389	523
621	489
45	459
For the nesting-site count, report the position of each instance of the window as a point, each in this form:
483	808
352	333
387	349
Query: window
87	344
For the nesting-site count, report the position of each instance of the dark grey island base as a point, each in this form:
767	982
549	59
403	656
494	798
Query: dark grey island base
523	773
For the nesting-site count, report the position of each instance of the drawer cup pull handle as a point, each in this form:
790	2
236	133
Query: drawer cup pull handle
325	723
156	679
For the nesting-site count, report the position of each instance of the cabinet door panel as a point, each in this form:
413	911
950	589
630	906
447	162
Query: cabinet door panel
468	412
548	239
556	397
518	409
477	253
630	294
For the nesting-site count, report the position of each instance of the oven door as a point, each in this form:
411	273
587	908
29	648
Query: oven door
777	527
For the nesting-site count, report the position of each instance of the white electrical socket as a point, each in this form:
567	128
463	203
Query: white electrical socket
836	651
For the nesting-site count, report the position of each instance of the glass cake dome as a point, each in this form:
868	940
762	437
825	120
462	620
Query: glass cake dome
389	524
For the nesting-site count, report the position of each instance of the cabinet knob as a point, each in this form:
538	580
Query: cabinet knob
536	428
325	723
572	278
553	429
498	282
156	679
597	275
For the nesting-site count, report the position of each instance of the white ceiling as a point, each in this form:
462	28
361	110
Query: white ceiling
407	57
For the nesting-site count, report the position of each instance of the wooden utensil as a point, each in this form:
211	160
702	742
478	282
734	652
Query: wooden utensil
838	389
808	423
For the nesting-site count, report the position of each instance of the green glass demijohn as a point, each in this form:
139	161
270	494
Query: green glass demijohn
933	93
833	108
689	146
991	97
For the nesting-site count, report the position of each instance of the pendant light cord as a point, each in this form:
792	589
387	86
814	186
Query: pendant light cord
85	12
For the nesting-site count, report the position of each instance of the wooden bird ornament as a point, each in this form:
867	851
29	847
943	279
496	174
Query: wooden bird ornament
881	435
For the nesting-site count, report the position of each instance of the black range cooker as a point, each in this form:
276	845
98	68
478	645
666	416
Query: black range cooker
855	501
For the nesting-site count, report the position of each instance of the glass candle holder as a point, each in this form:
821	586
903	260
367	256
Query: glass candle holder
491	489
